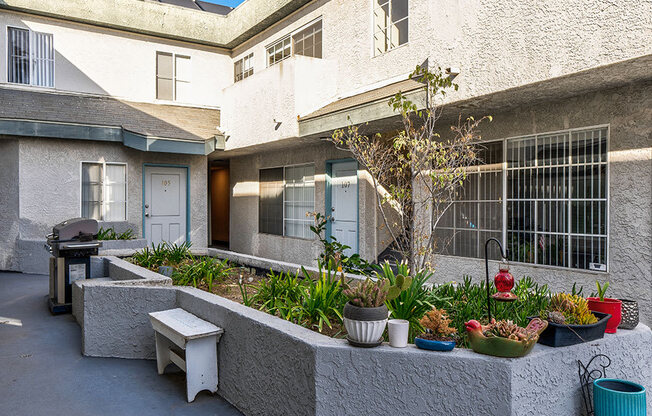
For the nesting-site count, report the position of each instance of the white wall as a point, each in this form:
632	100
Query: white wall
496	44
102	61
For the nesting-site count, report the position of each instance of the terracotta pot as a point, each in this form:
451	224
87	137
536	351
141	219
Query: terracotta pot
610	306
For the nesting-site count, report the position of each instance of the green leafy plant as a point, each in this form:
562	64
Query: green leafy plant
602	289
246	299
413	299
205	270
277	293
333	250
110	234
322	299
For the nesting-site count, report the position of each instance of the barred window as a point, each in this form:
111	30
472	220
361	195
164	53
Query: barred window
243	68
30	58
556	202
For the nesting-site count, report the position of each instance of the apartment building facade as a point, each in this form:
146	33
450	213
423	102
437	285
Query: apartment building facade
127	102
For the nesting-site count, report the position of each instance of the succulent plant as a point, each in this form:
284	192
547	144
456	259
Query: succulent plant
368	294
437	323
508	329
371	294
568	309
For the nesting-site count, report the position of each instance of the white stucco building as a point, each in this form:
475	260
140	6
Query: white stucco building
206	124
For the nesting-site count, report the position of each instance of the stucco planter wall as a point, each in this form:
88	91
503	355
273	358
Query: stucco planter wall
270	366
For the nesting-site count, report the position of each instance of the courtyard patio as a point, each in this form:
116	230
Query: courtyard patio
44	372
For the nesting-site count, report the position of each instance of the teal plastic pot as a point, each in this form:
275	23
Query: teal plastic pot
613	397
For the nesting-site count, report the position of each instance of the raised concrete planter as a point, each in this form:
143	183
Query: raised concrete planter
273	367
122	248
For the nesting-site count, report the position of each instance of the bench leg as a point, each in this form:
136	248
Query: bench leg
201	366
162	352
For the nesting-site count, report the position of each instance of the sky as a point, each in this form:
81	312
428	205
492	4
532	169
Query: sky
231	3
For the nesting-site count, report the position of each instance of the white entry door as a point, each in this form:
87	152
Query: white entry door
165	204
344	204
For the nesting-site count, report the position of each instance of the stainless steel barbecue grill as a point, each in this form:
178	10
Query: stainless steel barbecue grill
71	243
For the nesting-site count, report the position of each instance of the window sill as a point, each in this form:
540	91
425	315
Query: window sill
390	50
287	237
532	265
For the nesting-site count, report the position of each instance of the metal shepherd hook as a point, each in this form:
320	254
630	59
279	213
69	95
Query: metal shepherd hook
503	254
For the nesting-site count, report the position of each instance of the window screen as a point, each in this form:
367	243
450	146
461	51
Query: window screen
30	57
115	198
270	206
92	177
308	41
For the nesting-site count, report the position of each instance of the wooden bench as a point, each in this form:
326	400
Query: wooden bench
191	344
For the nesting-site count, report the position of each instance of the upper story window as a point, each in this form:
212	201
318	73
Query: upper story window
287	194
104	191
172	77
279	51
390	24
544	196
307	42
30	57
243	68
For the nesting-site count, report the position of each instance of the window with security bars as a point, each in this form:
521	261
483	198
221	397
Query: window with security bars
104	191
243	68
476	213
390	24
307	42
286	196
556	202
279	51
30	58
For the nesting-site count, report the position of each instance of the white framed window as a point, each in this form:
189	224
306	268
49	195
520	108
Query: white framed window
243	68
390	24
104	191
173	76
555	193
30	57
287	194
307	42
279	51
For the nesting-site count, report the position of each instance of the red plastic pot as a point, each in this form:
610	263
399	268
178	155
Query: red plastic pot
610	306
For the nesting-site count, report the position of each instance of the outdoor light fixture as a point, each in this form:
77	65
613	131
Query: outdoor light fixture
453	71
278	124
504	281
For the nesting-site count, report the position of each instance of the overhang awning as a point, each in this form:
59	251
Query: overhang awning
372	106
143	126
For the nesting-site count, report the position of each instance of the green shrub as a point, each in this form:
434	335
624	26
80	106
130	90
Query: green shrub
163	254
204	270
278	293
413	302
468	300
321	299
110	234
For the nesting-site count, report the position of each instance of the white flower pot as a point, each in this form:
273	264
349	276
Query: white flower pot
398	332
365	332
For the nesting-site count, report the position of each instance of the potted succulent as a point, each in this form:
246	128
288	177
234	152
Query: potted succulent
570	321
439	336
607	305
504	338
365	314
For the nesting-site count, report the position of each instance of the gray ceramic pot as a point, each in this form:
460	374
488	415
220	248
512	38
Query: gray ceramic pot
357	313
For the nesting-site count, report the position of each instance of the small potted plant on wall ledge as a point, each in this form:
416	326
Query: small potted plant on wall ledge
365	314
439	336
607	305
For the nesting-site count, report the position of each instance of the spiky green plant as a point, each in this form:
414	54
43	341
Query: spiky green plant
568	309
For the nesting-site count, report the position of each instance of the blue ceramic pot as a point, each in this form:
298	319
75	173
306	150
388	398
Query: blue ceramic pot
613	397
426	344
